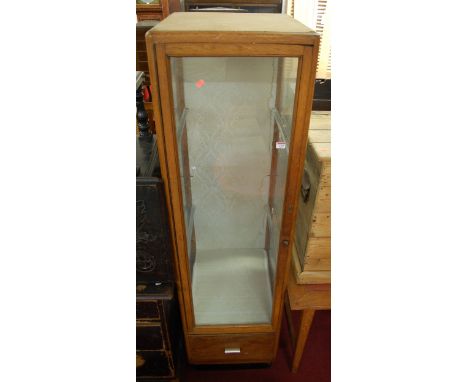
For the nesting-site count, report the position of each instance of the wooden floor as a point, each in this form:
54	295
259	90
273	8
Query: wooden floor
315	365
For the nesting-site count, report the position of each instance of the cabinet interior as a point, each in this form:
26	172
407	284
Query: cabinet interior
233	127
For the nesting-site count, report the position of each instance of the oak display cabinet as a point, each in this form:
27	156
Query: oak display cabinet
232	100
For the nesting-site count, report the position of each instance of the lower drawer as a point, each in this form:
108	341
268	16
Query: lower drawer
248	348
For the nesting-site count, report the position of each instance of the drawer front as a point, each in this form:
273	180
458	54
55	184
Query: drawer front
149	338
148	310
231	348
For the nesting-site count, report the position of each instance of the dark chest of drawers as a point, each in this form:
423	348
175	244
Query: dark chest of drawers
158	347
153	249
158	344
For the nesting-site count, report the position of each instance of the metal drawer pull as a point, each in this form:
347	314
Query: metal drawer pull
232	351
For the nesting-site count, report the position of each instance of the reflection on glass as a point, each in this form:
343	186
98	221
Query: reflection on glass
233	125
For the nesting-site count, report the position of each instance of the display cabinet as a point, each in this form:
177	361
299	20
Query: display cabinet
232	100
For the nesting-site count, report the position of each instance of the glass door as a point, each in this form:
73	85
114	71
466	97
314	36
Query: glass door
233	126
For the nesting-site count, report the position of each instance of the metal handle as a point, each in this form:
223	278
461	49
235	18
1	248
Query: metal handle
232	351
305	186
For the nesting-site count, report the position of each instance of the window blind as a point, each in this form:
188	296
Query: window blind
314	14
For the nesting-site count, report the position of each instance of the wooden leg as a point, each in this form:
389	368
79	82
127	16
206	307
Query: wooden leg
287	308
307	317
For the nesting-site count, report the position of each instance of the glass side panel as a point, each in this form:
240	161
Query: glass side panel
282	127
233	121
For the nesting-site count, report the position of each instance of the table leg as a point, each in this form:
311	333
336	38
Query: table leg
307	316
289	320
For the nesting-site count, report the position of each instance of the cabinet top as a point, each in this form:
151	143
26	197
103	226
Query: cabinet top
230	27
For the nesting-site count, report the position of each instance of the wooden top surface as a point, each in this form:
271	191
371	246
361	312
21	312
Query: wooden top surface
320	134
226	27
231	22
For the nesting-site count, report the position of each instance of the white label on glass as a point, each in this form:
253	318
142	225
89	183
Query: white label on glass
280	145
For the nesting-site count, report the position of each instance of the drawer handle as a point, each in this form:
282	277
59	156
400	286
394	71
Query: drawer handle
232	351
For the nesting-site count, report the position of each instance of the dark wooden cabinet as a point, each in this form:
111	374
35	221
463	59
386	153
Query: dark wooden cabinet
153	248
142	62
148	15
141	56
158	345
149	12
158	10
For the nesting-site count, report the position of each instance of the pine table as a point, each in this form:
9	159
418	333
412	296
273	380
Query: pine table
307	298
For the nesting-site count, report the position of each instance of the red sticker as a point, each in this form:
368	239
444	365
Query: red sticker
199	83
